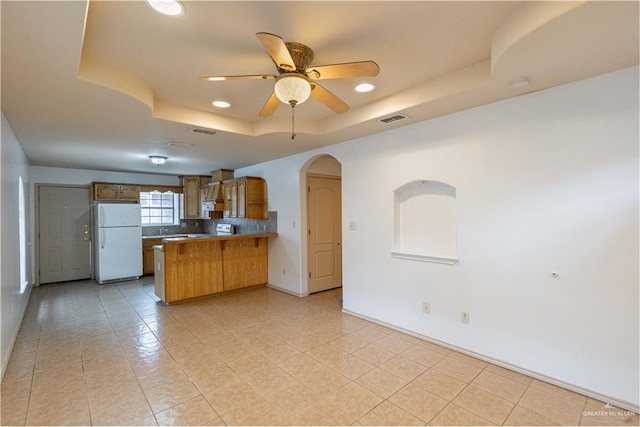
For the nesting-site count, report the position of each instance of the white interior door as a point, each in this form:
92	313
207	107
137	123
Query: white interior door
64	233
325	233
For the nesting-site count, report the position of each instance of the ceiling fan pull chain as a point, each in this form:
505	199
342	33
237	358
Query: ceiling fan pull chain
293	121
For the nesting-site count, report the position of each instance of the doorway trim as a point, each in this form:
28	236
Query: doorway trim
303	221
36	220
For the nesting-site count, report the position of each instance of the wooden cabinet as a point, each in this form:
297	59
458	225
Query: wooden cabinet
194	188
147	254
109	191
230	190
245	197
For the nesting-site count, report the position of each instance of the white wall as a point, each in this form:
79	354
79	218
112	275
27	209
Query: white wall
546	182
13	304
48	175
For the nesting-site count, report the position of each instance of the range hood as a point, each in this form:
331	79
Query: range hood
213	192
212	197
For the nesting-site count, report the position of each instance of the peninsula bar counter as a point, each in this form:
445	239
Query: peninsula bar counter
194	267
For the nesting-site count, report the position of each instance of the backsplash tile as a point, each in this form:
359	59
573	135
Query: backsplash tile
245	226
191	226
194	226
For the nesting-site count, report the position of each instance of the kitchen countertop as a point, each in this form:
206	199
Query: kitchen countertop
168	236
210	237
189	238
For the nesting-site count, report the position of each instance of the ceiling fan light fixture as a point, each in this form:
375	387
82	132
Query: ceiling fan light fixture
292	88
364	87
158	160
167	7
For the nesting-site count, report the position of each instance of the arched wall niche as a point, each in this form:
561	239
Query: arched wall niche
425	222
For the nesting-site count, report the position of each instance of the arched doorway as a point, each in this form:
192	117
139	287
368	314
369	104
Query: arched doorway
324	223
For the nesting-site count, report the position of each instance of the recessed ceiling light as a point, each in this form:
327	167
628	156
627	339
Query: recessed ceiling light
365	87
167	7
221	104
520	82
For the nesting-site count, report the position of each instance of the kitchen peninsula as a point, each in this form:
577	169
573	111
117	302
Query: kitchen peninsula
192	267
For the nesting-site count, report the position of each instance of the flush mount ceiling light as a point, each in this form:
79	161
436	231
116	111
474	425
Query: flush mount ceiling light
364	87
221	104
158	160
167	7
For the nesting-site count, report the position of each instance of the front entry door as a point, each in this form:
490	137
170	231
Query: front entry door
65	233
325	233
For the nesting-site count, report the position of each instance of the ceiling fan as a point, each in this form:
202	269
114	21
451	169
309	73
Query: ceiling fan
296	79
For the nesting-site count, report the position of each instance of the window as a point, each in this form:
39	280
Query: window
22	233
159	208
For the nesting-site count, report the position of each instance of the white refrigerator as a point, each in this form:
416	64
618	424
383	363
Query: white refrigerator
117	241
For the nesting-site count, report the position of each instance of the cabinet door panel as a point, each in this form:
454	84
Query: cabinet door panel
191	197
106	192
226	190
129	192
234	200
242	204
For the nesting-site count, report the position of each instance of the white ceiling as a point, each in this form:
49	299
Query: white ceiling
104	84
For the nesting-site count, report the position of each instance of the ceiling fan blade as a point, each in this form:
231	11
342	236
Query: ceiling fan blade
347	69
270	106
239	77
328	99
277	49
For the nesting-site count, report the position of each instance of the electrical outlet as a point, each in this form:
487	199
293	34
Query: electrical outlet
464	317
426	307
353	225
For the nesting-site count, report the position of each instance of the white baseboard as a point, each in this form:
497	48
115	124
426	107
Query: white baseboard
590	393
287	291
15	333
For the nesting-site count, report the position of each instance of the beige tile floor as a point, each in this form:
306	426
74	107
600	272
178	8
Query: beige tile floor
113	355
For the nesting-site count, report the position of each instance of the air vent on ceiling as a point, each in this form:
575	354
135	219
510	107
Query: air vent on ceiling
205	131
179	144
394	118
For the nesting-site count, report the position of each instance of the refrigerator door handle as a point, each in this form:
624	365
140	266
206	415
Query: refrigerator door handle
101	216
103	237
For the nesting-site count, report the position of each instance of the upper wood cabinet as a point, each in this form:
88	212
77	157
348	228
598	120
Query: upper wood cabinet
193	188
109	191
245	197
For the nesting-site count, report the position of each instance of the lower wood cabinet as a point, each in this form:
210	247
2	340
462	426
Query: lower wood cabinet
147	254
